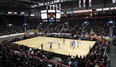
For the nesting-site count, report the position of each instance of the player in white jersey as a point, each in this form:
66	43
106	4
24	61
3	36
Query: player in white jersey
73	44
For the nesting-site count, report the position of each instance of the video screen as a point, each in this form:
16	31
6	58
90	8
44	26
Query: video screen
50	14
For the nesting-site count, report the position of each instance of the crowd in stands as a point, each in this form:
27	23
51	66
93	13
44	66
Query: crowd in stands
86	26
18	55
77	27
10	25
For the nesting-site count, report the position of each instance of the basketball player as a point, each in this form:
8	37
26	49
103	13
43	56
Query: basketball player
73	44
63	41
42	47
59	46
50	45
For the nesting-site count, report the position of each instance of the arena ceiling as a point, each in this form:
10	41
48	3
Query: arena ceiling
29	4
24	4
18	5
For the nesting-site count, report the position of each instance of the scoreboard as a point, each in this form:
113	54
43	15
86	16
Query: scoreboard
50	15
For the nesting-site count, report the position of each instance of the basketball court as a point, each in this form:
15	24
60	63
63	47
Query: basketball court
81	46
